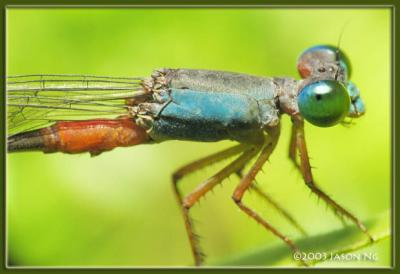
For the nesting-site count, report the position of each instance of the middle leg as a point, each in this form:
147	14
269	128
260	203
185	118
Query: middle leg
246	182
262	194
279	208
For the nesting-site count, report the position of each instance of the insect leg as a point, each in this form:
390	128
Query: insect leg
206	161
187	169
279	208
293	157
246	182
308	178
202	189
293	147
275	205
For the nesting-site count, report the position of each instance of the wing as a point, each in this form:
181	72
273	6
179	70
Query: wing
35	101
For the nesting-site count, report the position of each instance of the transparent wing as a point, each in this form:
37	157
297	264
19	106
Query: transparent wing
35	101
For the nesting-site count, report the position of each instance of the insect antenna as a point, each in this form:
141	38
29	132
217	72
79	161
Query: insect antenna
337	52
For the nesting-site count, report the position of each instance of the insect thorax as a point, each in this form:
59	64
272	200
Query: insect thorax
202	105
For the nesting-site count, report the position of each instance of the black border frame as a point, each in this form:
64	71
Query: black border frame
392	4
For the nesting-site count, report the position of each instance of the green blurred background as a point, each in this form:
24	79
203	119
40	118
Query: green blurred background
118	209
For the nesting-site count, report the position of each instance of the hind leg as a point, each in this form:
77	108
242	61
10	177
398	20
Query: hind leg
188	201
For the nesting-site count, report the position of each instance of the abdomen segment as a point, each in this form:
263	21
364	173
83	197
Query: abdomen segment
93	136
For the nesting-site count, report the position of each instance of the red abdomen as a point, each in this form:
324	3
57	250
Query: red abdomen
93	136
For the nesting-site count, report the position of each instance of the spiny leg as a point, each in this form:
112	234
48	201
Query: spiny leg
293	157
279	208
308	178
276	205
206	186
189	168
246	182
293	147
206	161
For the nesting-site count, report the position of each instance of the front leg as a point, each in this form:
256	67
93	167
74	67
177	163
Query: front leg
305	169
293	147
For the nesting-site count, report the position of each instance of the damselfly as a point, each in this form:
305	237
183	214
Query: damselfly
78	113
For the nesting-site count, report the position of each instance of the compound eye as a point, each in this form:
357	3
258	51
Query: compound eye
321	54
324	103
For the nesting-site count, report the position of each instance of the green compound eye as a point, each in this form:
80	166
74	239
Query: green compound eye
324	103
